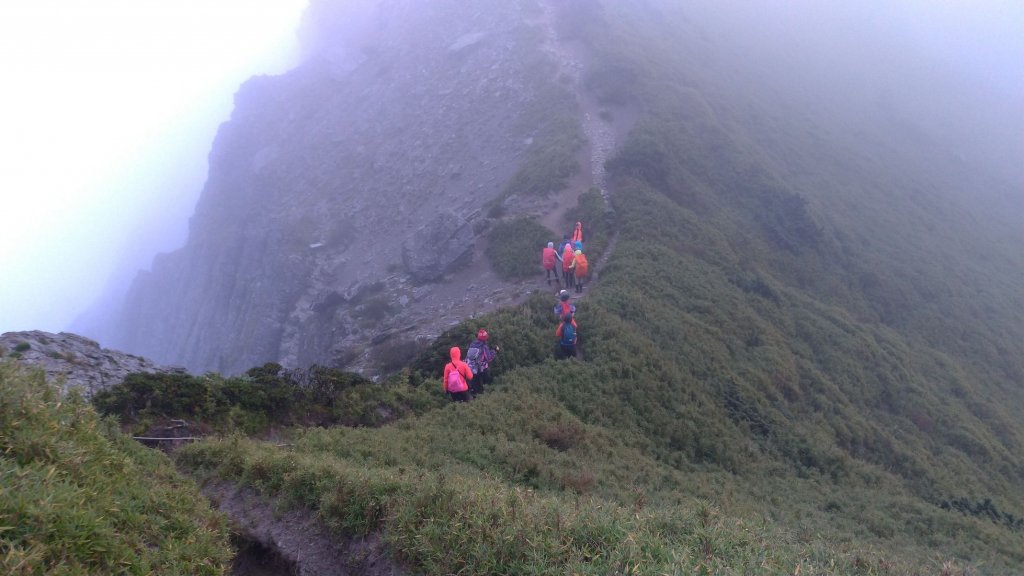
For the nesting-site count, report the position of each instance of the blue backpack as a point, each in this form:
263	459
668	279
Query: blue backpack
568	334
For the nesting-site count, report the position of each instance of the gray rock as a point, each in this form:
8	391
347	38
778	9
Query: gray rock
439	248
74	361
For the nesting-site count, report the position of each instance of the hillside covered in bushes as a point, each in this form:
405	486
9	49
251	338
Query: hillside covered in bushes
798	330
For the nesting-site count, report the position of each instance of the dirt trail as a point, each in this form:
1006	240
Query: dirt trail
604	127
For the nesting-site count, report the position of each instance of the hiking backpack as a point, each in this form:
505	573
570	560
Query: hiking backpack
475	359
582	266
563	308
568	334
455	382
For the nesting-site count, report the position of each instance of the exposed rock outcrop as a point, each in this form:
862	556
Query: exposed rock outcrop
344	216
437	248
339	174
74	361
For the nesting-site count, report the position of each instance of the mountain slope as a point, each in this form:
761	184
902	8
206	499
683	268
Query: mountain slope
342	192
811	317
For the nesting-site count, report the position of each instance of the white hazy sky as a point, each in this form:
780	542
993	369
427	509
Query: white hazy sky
107	111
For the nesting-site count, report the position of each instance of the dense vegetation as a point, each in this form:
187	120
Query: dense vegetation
78	497
514	247
264	397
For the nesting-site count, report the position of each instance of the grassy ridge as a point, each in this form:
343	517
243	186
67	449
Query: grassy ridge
77	497
489	504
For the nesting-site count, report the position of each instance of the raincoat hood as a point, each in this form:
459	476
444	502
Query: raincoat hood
456	353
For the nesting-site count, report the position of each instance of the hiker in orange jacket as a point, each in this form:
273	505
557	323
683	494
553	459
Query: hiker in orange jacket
548	257
580	269
567	256
456	377
577	235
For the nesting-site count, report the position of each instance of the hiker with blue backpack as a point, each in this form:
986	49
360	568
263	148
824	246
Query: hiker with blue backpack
457	376
567	337
561	245
479	356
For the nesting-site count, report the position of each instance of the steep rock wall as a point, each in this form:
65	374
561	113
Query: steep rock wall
404	120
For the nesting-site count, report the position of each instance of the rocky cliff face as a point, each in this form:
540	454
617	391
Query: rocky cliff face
74	361
337	191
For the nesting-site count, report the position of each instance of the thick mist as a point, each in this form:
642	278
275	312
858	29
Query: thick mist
108	112
952	73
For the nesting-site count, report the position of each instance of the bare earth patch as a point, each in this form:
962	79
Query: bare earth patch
299	538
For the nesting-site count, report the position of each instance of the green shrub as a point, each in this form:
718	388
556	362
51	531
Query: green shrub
514	247
265	396
551	125
77	497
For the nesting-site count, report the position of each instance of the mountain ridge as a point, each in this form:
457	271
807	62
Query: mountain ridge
800	322
303	302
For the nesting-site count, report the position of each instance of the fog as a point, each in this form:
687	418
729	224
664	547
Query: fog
107	113
953	70
110	107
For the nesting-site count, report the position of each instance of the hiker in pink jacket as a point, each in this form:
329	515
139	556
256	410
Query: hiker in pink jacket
457	376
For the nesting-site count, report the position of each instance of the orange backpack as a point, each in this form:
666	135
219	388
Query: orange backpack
582	267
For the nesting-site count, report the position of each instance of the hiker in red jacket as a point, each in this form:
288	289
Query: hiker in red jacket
548	257
456	377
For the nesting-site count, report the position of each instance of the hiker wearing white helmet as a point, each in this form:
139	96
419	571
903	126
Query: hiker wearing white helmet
548	258
564	306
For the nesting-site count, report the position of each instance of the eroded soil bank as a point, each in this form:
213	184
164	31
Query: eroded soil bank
274	542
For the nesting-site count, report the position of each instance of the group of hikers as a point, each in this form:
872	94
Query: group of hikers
570	256
463	381
575	269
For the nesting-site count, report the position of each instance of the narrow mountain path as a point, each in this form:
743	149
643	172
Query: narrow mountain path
476	289
604	127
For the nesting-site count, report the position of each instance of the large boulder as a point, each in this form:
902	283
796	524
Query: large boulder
440	247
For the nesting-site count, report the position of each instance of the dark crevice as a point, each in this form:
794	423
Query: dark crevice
253	558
